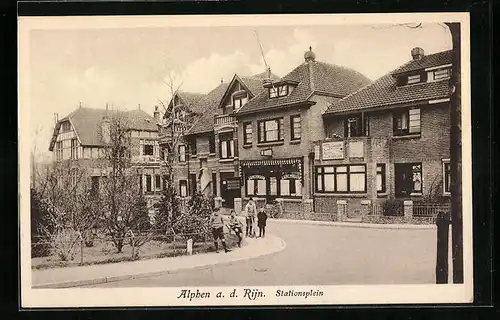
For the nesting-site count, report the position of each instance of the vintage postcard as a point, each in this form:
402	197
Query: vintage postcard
245	160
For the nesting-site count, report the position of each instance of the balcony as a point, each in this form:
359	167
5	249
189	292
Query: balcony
224	120
146	159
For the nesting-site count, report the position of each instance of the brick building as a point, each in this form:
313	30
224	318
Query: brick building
276	129
208	151
79	139
390	139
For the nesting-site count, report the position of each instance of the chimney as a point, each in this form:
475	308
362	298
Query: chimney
417	53
156	114
309	55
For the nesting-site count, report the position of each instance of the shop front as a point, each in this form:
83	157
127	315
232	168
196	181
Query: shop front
273	178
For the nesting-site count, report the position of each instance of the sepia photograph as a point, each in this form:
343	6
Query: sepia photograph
245	160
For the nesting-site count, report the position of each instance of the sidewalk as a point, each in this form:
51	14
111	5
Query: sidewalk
87	275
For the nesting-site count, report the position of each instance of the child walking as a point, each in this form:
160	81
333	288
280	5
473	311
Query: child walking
261	222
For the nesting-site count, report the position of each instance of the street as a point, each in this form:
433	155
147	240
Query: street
319	255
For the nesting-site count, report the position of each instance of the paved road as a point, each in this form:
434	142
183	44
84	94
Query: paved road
320	255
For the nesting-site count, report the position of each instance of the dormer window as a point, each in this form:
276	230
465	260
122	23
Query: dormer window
439	74
414	79
278	91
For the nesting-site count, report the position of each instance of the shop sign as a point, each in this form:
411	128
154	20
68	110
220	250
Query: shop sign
356	149
333	150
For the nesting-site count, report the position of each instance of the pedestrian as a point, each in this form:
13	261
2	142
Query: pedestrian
236	226
217	224
262	218
250	210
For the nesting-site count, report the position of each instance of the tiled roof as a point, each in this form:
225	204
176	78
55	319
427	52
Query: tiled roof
314	76
254	83
209	104
87	123
432	60
384	91
189	99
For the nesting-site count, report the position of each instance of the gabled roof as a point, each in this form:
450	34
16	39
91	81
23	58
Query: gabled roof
312	77
385	92
189	100
87	124
432	60
252	84
209	104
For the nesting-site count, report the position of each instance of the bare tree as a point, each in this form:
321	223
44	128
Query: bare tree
70	208
122	199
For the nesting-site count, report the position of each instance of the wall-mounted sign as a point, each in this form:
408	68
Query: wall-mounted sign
266	152
233	184
295	176
256	176
333	150
356	149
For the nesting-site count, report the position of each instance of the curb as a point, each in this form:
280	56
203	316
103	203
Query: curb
78	283
358	224
348	224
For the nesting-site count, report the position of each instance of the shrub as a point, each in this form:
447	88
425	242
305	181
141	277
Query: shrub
40	243
392	208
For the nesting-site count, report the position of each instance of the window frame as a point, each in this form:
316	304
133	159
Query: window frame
181	183
383	175
157	182
247	136
229	144
404	115
319	173
211	143
279	123
293	133
148	184
274	92
192	146
181	155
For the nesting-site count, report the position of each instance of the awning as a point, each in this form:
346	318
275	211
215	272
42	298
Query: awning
270	162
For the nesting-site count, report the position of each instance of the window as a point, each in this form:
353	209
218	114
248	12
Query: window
290	187
157	182
439	74
408	178
66	126
446	177
214	184
94	184
59	151
182	153
256	186
192	183
295	127
183	188
414	79
148	183
271	130
341	179
278	91
356	126
74	149
247	133
211	143
406	122
226	145
192	145
148	150
380	179
239	102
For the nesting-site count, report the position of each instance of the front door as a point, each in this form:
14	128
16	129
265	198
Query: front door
403	180
272	187
229	189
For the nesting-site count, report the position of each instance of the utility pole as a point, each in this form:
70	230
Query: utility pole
456	155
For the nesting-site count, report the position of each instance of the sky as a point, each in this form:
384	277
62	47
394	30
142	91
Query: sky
128	68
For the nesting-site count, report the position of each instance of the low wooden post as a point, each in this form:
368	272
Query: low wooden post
443	225
190	247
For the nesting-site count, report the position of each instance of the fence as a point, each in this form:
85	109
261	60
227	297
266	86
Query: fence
69	248
429	210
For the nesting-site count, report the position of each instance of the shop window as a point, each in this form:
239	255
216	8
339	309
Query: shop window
341	179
